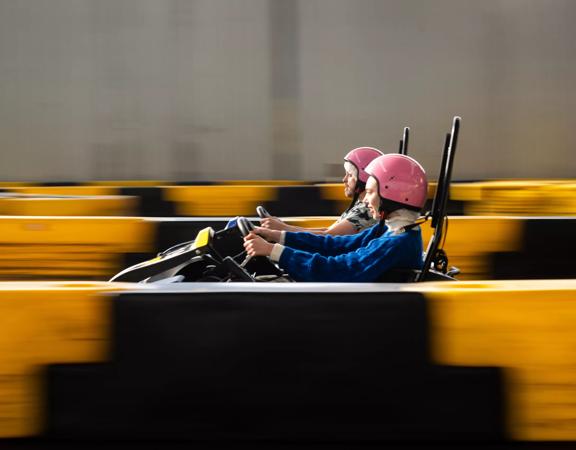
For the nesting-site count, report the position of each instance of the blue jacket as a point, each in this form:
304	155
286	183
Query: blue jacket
361	257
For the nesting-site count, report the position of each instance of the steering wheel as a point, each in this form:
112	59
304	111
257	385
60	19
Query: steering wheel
245	226
262	213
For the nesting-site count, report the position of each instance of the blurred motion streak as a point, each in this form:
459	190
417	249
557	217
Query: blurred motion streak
526	327
43	323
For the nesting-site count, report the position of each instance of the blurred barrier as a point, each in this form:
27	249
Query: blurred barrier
527	328
218	200
301	362
232	200
66	201
75	248
130	183
74	191
233	363
44	323
298	198
68	206
471	242
517	197
265	182
43	248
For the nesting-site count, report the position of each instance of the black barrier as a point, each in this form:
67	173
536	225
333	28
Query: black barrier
547	252
151	201
302	201
275	366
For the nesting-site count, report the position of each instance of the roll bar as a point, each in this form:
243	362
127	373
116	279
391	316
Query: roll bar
434	252
403	149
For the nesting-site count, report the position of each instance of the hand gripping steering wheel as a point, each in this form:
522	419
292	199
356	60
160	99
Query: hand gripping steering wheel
245	226
262	213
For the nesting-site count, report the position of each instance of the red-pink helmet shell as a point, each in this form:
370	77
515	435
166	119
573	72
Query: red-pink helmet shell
401	179
360	157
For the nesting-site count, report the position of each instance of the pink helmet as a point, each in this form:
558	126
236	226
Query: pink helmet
360	157
401	179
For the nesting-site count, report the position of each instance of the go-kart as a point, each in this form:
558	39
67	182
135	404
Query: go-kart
214	256
219	256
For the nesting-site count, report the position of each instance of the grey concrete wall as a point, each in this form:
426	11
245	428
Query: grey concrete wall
208	89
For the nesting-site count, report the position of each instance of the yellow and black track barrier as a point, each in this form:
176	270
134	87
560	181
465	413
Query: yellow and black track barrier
462	361
157	199
281	197
95	248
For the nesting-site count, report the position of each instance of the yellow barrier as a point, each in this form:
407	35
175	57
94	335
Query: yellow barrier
90	248
72	206
471	240
67	201
218	200
239	197
65	190
278	183
46	323
129	183
9	184
526	327
517	197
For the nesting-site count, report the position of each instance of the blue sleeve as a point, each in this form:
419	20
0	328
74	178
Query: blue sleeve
328	245
362	265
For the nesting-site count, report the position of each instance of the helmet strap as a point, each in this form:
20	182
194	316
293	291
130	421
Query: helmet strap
382	211
380	226
358	189
354	200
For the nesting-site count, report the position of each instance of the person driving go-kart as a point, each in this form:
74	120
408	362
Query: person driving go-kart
357	217
395	193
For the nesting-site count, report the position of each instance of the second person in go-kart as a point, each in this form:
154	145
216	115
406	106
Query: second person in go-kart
357	217
396	191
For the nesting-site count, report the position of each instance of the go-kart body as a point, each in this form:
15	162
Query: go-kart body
214	256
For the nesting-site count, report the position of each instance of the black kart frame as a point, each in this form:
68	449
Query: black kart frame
403	149
434	253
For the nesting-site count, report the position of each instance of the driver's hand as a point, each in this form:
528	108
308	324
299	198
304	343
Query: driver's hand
256	246
273	223
269	235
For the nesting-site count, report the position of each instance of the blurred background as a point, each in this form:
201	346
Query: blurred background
186	90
